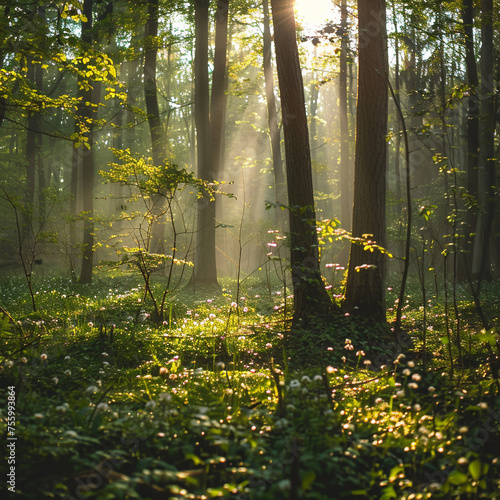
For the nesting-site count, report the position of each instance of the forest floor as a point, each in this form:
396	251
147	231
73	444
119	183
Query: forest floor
105	403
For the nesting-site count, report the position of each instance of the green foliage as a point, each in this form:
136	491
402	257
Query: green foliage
149	179
112	405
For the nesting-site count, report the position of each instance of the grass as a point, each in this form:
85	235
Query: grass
213	402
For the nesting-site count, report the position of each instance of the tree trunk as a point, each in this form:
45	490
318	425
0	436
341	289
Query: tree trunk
217	104
465	267
398	206
310	296
31	147
205	270
345	170
156	243
88	166
365	291
42	182
481	265
272	115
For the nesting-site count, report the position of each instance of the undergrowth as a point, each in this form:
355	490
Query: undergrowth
220	401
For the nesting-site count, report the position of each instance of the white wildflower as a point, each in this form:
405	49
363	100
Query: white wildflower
150	405
164	397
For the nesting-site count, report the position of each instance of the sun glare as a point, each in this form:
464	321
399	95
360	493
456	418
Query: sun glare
313	13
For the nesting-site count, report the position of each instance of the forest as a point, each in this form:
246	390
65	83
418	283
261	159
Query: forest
250	249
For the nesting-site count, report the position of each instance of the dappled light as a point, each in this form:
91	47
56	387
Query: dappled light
249	250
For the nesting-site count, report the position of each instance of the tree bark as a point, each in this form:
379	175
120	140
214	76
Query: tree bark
205	269
365	291
272	115
156	131
345	170
481	265
88	167
310	296
31	146
218	98
465	267
35	173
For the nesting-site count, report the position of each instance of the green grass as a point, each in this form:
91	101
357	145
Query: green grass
219	401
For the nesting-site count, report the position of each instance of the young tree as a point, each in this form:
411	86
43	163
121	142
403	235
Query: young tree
365	293
310	296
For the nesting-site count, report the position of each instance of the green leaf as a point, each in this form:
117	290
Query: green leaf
478	469
457	478
388	493
308	479
195	459
395	471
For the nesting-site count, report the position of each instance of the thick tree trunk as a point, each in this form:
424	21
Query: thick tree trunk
218	98
365	292
310	297
272	115
156	243
205	270
481	265
465	267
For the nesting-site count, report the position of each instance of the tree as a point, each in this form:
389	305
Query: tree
472	130
481	264
156	130
345	171
365	293
205	268
34	138
218	97
88	166
272	115
310	296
